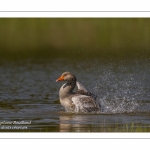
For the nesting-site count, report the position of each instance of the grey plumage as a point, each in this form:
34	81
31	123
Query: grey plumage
85	104
81	100
84	91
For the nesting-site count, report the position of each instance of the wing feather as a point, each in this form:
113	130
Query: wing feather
84	91
85	104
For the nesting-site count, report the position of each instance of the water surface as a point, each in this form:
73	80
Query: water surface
29	93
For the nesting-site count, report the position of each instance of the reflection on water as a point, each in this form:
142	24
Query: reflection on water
28	92
76	123
102	123
79	123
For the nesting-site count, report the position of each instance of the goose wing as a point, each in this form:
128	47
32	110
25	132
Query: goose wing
84	91
85	104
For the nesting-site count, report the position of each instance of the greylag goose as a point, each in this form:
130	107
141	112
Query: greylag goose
80	101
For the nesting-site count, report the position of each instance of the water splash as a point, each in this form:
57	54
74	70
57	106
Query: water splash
119	106
122	87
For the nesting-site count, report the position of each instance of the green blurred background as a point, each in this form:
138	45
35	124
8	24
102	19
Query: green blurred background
72	37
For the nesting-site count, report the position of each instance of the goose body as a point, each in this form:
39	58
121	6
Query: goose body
80	101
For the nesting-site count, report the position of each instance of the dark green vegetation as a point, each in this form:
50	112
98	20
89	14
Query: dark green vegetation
117	37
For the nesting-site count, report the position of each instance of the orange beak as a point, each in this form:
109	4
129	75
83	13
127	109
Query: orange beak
61	78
